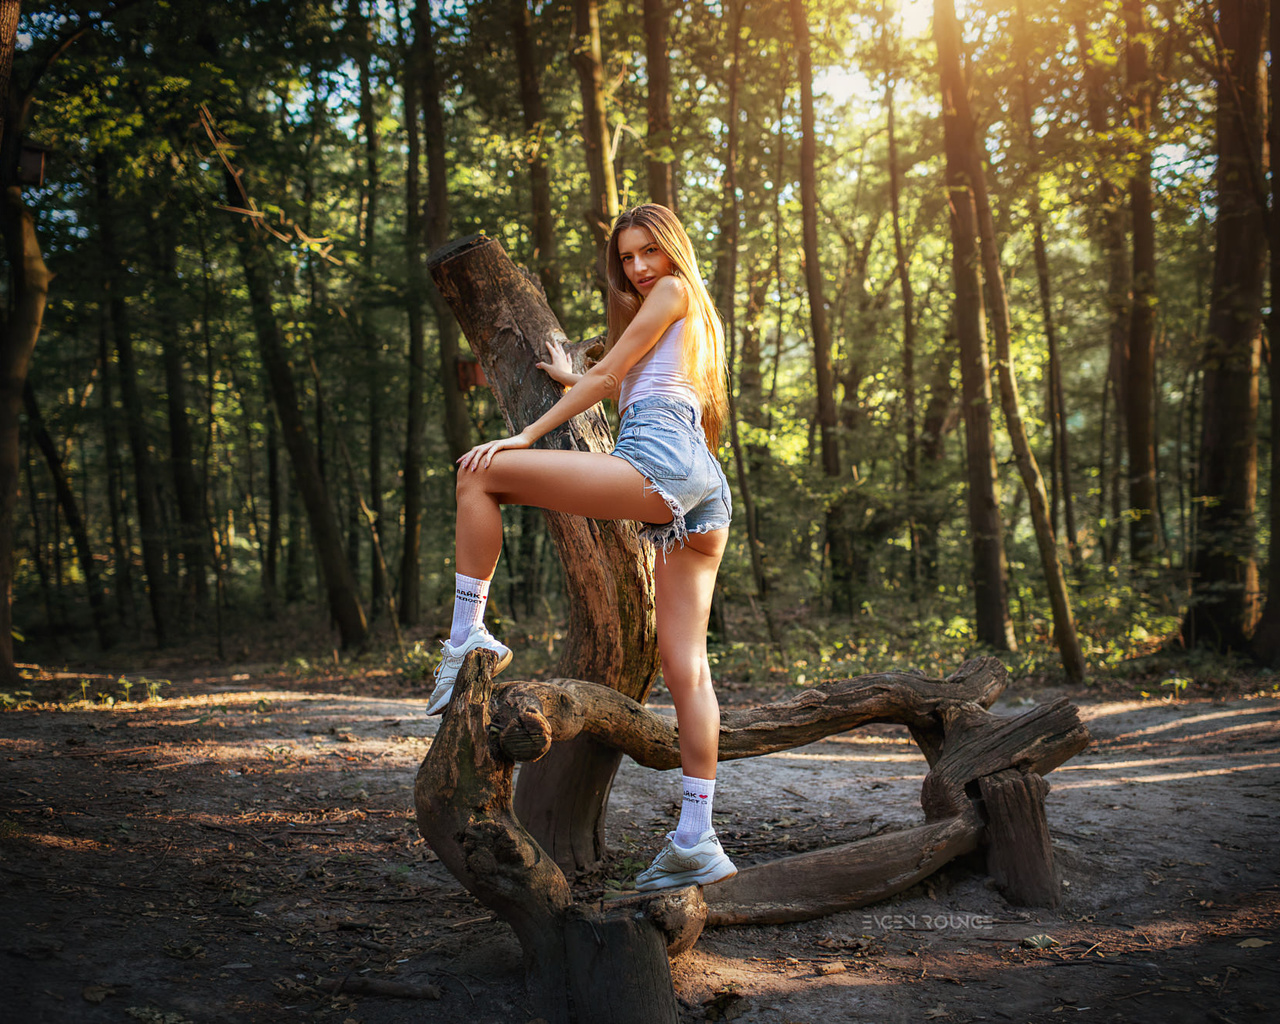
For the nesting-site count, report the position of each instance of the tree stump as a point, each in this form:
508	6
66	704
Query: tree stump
581	965
1019	850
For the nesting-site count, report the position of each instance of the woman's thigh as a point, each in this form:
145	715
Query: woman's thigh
590	484
684	581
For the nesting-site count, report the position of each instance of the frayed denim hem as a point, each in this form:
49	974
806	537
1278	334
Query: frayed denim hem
665	536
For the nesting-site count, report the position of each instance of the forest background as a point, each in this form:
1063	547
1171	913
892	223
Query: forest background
994	278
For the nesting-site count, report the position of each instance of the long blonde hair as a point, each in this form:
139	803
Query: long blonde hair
704	356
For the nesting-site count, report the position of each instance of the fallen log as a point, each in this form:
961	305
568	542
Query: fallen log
530	716
608	962
809	885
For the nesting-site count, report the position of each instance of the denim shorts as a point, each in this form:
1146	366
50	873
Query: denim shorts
663	439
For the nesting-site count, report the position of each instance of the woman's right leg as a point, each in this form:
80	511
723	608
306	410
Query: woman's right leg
590	484
580	483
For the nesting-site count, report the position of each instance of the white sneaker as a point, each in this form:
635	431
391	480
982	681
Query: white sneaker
705	862
447	670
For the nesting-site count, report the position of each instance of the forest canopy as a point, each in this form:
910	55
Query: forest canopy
994	276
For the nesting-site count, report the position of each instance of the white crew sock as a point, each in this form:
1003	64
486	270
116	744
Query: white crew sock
695	811
469	600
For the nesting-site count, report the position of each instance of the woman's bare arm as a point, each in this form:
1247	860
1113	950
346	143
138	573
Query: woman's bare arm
666	304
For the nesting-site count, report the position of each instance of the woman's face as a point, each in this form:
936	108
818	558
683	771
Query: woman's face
643	261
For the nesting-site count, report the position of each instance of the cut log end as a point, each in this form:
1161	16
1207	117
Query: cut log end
457	248
525	737
678	914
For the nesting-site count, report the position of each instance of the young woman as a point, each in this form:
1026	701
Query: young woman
665	364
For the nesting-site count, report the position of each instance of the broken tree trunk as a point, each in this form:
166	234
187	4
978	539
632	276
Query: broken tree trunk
984	787
608	571
611	967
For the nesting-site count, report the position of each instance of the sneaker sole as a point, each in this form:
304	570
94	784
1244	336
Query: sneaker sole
503	661
706	876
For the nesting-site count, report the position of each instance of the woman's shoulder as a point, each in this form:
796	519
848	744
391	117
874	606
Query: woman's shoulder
672	288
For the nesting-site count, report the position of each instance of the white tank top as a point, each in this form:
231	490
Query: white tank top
659	372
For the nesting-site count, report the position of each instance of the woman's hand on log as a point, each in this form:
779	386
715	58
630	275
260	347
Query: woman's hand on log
559	367
482	454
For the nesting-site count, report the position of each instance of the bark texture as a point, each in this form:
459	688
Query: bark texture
610	967
990	590
19	329
1224	596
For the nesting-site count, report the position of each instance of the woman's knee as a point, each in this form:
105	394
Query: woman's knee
471	483
691	677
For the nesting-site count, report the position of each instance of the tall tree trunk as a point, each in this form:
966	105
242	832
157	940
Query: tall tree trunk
145	491
728	276
940	418
823	371
339	584
1060	458
991	599
121	550
415	281
1224	594
588	59
358	27
71	512
1265	646
19	325
1064	627
535	127
1108	225
19	329
1140	396
658	144
192	518
295	567
911	463
457	427
422	99
838	526
271	558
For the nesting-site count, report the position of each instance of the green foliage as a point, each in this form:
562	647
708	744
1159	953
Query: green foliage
118	112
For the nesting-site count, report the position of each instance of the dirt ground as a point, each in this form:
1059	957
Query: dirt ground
218	854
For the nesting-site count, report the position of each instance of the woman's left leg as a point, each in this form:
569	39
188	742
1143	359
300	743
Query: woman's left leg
684	582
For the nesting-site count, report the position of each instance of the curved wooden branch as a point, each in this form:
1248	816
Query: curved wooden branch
531	716
464	810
